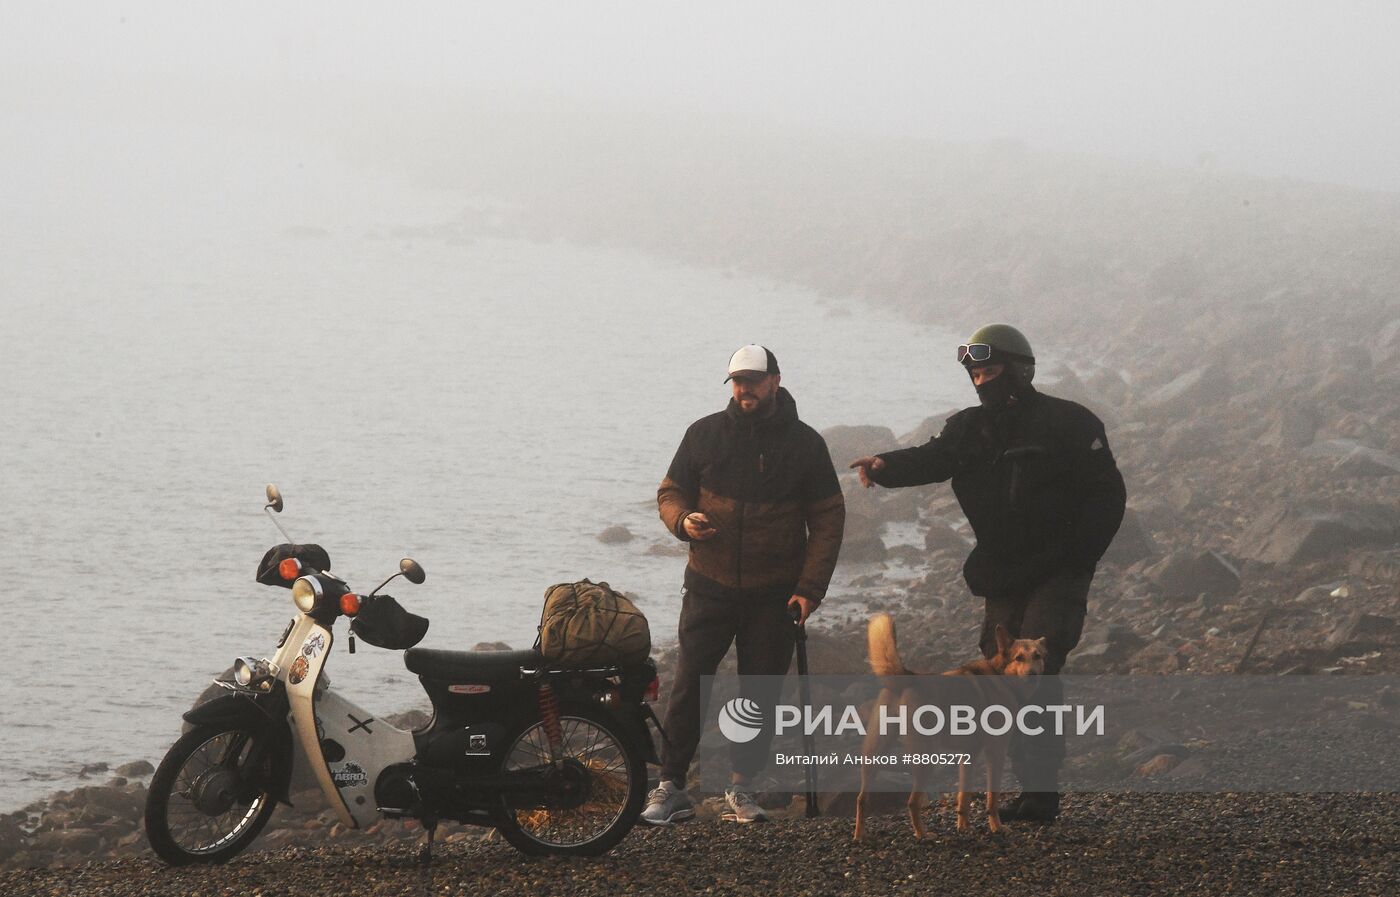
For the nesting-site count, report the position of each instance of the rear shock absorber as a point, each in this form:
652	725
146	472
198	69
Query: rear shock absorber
549	718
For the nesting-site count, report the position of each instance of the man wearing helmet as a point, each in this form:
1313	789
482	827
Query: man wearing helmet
1036	479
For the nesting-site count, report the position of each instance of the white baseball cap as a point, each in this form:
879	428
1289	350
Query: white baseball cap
752	361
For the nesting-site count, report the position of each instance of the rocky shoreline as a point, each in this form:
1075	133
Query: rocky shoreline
1241	341
1145	844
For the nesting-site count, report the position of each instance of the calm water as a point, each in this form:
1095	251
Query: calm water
487	407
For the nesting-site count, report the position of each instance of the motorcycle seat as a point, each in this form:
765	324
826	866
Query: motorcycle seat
433	663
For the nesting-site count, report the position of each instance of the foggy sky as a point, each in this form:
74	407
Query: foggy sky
1297	89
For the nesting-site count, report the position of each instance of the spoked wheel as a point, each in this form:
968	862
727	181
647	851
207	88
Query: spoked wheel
585	805
205	804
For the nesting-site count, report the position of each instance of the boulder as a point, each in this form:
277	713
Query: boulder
909	555
1106	386
1159	764
94	802
1332	450
615	535
670	549
69	841
862	543
847	443
135	769
1189	440
1377	566
1285	534
1292	427
1190	573
1359	630
1198	386
1103	649
1182	498
1063	383
927	429
882	505
1387	348
1154	516
942	537
1368	462
12	838
1132	543
1145	741
1192	768
899	504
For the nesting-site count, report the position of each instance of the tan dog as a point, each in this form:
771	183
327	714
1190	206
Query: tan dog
1014	658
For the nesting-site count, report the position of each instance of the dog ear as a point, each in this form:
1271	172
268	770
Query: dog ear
1003	640
1041	643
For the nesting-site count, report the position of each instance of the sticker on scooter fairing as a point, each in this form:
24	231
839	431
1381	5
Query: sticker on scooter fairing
360	724
351	775
298	671
469	689
313	646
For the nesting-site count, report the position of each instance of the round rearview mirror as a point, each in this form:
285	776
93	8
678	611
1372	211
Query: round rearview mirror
411	571
274	498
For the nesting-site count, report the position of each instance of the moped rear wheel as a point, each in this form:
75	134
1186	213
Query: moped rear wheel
590	802
209	797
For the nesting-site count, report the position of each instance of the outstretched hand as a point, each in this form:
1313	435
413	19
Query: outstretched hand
866	466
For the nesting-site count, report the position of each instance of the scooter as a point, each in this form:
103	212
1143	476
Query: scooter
554	759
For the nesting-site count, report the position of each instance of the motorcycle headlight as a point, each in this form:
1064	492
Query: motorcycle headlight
251	672
306	591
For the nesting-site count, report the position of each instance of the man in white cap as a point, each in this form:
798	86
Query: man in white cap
753	490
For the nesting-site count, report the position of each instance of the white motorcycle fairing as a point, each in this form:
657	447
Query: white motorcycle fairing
345	746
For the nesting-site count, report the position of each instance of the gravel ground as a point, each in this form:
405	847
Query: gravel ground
1105	844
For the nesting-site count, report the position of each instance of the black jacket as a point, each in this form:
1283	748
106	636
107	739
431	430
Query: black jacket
1037	482
770	490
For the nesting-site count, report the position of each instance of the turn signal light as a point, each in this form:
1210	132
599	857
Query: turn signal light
289	569
349	604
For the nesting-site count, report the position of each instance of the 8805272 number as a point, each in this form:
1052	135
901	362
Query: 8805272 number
938	759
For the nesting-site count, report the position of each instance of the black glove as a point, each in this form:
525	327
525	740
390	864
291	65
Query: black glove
384	623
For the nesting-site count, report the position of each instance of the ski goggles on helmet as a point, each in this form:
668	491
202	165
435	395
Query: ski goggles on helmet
974	352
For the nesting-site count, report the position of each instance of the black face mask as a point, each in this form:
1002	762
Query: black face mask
997	395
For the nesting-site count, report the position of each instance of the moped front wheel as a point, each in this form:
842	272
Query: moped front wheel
209	798
588	802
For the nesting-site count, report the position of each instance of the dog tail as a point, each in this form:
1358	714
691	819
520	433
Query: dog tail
884	654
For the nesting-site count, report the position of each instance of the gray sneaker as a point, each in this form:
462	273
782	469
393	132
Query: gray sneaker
742	806
667	804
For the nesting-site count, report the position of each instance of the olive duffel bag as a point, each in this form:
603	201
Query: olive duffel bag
586	624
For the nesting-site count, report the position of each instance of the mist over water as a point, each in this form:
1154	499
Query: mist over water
486	406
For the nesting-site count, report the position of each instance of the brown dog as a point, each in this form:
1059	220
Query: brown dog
1014	658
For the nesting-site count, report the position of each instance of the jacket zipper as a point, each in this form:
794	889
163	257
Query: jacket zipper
739	554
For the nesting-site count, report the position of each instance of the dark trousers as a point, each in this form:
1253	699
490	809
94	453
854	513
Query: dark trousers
1053	610
710	622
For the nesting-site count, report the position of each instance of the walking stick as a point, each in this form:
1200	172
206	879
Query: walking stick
804	691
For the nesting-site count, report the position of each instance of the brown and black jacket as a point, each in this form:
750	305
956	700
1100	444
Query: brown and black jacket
771	493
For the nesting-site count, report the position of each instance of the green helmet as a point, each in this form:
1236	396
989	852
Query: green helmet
1005	345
